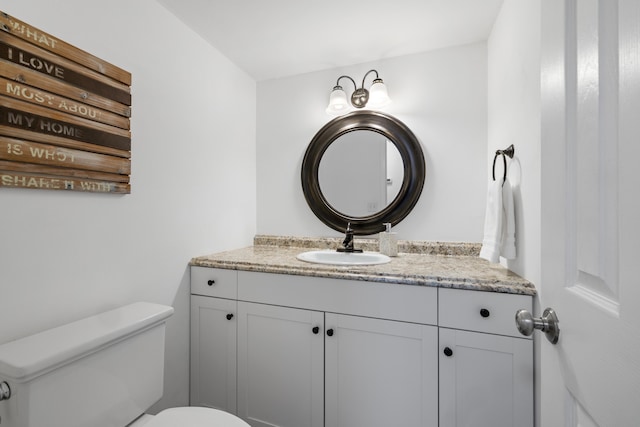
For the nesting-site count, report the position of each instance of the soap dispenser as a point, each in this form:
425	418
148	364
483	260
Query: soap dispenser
388	241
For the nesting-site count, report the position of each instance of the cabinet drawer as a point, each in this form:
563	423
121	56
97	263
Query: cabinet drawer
214	282
481	311
417	304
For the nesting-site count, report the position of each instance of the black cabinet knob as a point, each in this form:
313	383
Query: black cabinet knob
330	332
448	352
211	282
485	313
316	329
229	316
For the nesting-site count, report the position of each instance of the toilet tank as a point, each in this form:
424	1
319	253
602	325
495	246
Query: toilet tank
101	371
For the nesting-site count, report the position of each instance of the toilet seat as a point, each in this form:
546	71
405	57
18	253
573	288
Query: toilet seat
194	416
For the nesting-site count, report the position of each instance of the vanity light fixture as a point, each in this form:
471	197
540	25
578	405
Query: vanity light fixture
375	97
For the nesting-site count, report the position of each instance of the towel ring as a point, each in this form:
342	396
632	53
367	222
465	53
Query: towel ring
509	151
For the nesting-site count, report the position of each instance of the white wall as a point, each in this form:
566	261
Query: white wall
65	255
441	95
514	118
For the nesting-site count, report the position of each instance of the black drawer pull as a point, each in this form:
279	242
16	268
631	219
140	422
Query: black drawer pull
448	352
330	332
229	316
485	313
211	282
316	330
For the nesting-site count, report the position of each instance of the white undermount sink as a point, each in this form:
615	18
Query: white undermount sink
343	258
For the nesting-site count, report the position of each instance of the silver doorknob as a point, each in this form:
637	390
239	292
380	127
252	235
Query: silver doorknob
5	391
548	324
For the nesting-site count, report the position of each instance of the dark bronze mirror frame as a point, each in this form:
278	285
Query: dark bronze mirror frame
412	158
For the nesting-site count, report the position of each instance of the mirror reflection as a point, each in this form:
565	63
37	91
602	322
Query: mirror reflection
360	173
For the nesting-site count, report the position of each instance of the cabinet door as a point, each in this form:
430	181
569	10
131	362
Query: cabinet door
280	366
380	373
213	353
485	380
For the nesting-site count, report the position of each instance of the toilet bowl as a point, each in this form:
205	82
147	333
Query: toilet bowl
106	370
192	417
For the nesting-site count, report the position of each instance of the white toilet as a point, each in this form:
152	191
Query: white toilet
102	371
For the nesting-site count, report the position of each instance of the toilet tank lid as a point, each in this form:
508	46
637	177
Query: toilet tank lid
26	358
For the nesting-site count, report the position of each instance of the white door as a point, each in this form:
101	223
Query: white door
591	212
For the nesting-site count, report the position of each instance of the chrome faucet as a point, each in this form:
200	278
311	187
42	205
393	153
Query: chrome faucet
347	243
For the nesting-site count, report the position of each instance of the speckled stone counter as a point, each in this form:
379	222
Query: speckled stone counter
447	265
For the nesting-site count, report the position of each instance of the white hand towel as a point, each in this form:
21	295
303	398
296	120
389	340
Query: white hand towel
499	223
508	249
492	240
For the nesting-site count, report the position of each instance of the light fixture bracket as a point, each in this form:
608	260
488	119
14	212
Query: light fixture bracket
360	97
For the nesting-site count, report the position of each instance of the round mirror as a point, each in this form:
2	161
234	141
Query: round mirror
365	168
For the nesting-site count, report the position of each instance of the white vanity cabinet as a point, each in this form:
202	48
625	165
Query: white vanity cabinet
280	366
331	369
486	366
372	361
213	338
380	372
345	353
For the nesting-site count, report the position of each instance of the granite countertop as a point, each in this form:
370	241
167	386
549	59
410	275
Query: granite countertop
446	265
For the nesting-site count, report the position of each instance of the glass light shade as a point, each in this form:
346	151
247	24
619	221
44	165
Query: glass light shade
378	96
338	103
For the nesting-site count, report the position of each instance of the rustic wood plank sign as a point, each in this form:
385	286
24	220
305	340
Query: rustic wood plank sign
64	115
60	103
15	50
42	120
40	182
16	150
66	173
31	78
59	47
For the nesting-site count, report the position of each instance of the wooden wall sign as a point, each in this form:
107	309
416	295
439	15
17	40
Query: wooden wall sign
64	115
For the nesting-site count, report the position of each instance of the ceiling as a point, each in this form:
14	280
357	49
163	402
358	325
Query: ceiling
278	38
